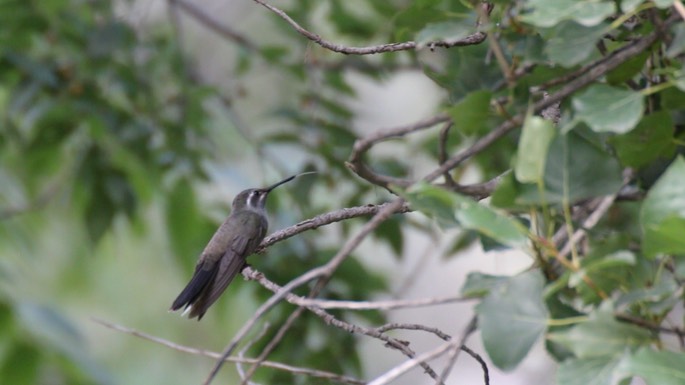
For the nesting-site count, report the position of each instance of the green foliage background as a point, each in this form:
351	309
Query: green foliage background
112	145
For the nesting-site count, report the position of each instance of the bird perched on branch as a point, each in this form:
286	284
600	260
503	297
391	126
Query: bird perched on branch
224	256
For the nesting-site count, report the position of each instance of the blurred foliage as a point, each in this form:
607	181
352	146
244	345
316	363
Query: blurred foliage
112	124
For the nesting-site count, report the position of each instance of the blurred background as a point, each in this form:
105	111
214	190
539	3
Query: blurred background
127	128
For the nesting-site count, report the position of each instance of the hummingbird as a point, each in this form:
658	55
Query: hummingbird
224	256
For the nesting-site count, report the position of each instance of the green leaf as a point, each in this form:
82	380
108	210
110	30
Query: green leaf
470	115
609	109
435	202
448	31
391	232
480	285
628	69
607	272
663	211
650	140
663	3
535	140
488	221
547	13
451	209
572	43
665	237
657	293
575	169
512	317
656	368
602	336
463	71
588	371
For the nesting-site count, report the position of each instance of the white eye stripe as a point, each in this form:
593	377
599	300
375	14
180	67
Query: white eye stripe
256	198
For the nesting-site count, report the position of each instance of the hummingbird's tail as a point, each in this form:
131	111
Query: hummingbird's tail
207	284
202	278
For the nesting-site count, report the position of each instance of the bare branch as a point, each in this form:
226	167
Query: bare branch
214	24
326	219
473	39
445	337
679	7
423	358
361	146
409	364
248	345
442	153
215	355
329	319
381	305
394	326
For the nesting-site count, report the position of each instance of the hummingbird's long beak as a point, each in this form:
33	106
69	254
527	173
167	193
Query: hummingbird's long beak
286	180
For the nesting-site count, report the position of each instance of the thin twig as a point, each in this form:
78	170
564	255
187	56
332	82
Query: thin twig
326	219
382	305
473	39
248	345
679	7
409	364
405	326
361	146
214	24
590	222
445	337
329	319
442	153
215	355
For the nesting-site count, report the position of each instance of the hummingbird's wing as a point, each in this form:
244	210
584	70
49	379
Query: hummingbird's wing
227	268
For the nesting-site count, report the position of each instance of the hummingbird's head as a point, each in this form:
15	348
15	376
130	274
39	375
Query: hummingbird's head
251	199
255	198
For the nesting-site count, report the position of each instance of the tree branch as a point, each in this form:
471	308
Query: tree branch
329	319
215	25
215	355
381	305
473	39
327	219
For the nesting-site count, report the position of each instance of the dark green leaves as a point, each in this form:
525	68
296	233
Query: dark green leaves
575	168
602	336
650	140
512	317
608	109
547	13
470	115
572	43
663	212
